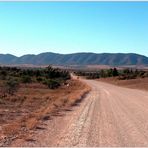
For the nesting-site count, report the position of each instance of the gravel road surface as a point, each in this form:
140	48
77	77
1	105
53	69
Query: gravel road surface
108	116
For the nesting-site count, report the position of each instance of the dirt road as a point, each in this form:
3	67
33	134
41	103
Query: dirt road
108	116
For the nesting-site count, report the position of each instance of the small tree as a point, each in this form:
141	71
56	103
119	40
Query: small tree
115	72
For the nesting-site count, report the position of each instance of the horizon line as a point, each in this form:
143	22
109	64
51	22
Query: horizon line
74	53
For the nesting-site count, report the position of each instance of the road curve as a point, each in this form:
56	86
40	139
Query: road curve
108	116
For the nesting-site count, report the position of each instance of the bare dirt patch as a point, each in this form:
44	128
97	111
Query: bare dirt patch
32	105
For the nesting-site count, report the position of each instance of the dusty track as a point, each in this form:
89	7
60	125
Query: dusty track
108	116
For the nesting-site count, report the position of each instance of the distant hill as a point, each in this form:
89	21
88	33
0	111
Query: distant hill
113	59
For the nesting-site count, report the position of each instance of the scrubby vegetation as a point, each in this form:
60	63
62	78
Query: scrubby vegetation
12	77
30	96
123	74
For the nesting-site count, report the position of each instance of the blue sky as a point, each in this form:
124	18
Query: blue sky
68	27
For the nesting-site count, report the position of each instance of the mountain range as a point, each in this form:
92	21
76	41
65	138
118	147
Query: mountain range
76	59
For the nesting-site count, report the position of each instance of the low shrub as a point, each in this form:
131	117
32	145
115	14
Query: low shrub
52	84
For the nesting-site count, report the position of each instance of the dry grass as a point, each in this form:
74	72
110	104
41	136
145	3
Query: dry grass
139	83
35	103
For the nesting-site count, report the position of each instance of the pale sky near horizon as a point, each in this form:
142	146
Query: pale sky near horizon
69	27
